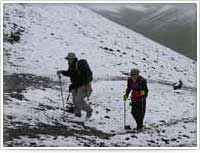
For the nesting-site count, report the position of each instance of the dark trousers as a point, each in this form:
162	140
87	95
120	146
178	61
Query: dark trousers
138	112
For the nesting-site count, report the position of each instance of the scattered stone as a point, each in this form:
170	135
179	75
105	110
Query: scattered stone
108	110
186	136
173	139
162	121
108	117
134	63
54	138
133	136
101	144
165	140
151	141
33	144
17	96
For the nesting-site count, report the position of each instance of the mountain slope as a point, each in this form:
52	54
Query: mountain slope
43	35
173	25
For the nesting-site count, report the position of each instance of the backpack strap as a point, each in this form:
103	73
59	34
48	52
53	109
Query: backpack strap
77	65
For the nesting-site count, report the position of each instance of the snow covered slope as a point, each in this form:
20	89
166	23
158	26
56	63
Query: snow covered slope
33	114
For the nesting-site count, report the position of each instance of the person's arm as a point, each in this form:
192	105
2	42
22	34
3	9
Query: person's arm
63	72
145	88
128	89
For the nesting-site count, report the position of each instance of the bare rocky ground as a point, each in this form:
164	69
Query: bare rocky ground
16	84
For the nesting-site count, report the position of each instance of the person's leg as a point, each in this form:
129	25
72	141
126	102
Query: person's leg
143	109
81	94
134	112
77	110
141	113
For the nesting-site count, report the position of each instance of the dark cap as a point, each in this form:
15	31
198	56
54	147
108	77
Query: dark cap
135	71
70	56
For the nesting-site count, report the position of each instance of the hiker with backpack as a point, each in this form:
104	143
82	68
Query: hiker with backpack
138	85
80	76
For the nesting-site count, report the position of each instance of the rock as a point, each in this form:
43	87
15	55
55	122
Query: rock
101	144
106	48
107	117
133	136
173	139
127	138
186	136
108	110
33	144
165	140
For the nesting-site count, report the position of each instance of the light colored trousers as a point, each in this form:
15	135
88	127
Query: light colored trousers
78	99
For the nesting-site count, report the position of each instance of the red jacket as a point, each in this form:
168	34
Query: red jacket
136	87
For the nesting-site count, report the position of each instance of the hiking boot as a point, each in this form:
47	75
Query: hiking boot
139	128
78	114
89	114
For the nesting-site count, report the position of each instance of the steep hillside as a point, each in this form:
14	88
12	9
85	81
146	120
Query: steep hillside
37	37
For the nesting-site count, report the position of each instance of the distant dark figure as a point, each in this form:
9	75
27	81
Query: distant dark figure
178	85
138	85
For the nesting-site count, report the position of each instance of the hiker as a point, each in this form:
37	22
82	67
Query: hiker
138	85
80	76
178	85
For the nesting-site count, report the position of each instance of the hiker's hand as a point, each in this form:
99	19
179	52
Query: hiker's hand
59	72
142	93
125	97
71	87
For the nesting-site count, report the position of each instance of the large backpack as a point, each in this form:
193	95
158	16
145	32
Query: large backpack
84	70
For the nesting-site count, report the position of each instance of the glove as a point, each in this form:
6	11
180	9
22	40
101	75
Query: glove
125	97
142	93
59	72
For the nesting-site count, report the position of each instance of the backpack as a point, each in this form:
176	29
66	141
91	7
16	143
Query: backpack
84	70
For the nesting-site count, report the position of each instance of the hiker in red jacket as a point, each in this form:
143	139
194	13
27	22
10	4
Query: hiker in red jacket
138	85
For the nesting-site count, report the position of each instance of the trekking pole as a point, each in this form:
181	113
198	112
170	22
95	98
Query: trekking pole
61	91
68	97
126	127
124	114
